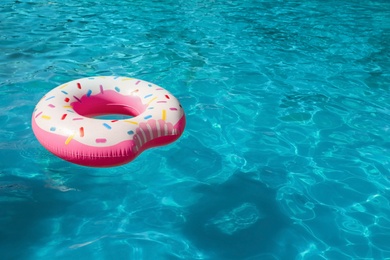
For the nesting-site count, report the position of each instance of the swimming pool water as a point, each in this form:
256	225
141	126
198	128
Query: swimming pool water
286	150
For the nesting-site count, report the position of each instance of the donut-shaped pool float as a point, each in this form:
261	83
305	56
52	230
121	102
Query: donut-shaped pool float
63	120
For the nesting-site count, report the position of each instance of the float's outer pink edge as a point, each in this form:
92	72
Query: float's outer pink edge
115	155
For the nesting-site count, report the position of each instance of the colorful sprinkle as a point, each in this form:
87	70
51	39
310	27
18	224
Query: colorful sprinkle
78	118
89	92
131	122
67	141
63	86
78	85
106	125
161	101
150	85
117	89
63	116
66	99
46	117
38	114
153	99
71	111
67	106
66	93
164	114
53	128
81	131
148	116
49	98
101	89
113	121
137	82
173	108
167	96
101	140
130	132
51	105
149	95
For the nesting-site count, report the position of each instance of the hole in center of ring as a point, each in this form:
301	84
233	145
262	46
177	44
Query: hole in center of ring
109	106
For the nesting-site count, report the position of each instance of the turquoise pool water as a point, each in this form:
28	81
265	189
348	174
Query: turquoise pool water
286	150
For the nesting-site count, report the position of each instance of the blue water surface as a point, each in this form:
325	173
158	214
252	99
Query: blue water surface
286	149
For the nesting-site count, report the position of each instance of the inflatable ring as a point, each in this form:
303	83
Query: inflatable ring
63	120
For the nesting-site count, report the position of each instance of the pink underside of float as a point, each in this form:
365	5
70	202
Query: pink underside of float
115	155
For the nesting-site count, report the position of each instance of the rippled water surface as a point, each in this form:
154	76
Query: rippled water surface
286	153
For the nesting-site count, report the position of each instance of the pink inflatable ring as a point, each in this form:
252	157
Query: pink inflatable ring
63	120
